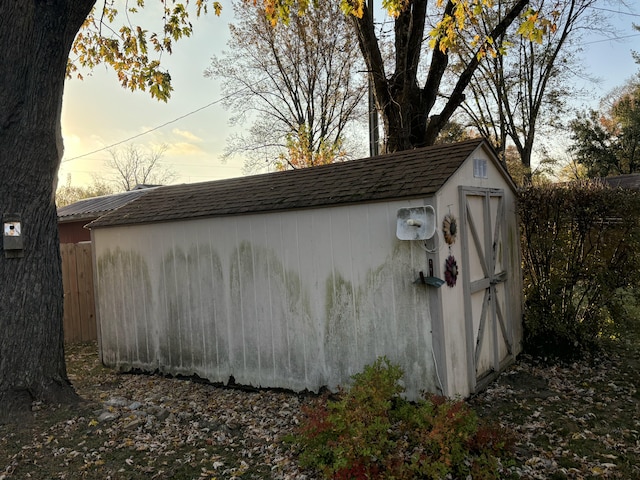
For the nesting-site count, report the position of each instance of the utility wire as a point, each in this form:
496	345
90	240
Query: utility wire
143	133
160	126
611	39
601	9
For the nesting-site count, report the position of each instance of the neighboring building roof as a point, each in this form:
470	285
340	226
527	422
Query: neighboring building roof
92	208
412	173
630	180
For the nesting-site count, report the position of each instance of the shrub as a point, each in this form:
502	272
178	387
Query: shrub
580	247
369	431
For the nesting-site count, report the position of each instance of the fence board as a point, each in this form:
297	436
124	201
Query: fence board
87	302
79	303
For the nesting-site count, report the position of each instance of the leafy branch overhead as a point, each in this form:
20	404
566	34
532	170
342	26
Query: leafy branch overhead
110	34
133	52
457	16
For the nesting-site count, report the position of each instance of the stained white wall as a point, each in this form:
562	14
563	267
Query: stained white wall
299	299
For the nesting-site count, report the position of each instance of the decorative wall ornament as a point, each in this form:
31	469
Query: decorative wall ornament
449	228
450	271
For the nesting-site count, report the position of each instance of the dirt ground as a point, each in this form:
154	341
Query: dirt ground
580	421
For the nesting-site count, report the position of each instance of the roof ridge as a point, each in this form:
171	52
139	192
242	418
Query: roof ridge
410	173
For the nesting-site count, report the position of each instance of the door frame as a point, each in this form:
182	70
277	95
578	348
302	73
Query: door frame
492	315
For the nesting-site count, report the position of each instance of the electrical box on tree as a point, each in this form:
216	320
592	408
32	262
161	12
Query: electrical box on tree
12	239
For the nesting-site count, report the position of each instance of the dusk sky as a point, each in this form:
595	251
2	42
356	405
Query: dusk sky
98	112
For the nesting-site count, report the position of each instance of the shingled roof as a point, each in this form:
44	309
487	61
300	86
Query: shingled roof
91	208
630	181
412	173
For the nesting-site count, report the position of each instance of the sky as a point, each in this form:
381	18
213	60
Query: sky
98	114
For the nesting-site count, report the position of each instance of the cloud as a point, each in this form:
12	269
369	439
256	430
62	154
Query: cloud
186	135
183	148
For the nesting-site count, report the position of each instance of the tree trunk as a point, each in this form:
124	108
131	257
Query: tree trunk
35	39
406	108
404	118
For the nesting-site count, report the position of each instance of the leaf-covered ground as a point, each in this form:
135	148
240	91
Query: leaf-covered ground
580	421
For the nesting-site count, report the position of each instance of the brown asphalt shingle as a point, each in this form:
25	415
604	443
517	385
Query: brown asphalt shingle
90	208
630	181
413	173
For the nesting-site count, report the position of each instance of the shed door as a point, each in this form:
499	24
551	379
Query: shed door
484	274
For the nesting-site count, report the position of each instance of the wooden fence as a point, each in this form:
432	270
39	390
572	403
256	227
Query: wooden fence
79	302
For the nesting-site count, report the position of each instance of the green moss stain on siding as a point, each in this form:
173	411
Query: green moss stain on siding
217	316
172	320
359	324
125	303
340	337
377	296
193	333
385	314
273	327
252	315
242	341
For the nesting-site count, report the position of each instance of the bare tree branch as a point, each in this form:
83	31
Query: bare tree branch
132	167
298	83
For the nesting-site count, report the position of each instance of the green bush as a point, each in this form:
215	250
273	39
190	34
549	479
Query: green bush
580	245
370	432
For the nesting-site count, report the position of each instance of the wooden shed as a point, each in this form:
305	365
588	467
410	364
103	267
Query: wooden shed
298	279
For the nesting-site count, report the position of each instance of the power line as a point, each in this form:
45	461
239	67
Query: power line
609	10
145	132
163	125
612	39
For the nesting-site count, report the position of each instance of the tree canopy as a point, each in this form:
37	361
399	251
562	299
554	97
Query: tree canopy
413	110
607	141
514	97
132	166
111	36
67	193
293	87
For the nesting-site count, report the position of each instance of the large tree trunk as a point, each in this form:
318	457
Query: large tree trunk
35	40
404	119
405	107
400	101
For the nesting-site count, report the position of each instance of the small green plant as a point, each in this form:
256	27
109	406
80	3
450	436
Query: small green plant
371	432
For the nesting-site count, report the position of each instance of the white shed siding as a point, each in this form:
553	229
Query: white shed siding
451	299
296	279
299	299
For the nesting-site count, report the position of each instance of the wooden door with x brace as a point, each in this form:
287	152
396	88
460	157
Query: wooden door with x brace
484	274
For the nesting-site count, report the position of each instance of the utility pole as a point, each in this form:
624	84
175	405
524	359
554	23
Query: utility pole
374	140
